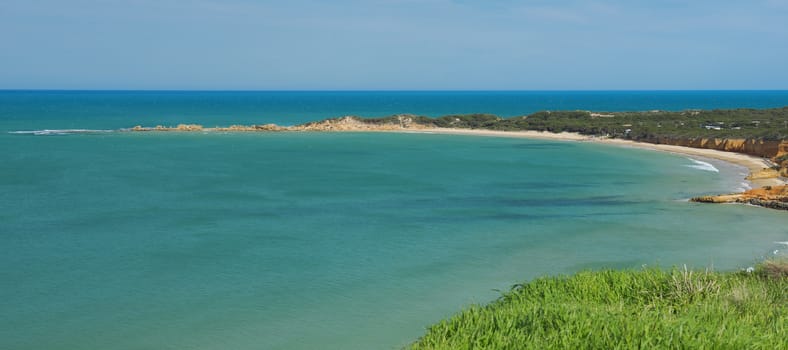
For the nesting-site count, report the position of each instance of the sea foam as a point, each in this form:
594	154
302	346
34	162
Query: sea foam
48	132
744	186
702	166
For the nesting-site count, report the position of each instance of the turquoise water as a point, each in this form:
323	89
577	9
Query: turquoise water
303	241
119	109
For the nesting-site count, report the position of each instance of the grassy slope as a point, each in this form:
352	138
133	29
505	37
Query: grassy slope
650	308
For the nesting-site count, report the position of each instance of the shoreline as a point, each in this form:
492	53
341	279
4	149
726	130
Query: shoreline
754	165
751	163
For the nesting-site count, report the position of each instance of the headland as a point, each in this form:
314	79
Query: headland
752	138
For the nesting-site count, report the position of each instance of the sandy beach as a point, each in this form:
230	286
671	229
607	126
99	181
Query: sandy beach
753	164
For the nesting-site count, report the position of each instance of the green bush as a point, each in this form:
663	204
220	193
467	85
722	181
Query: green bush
763	124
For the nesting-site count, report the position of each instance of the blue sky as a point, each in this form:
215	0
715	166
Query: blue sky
390	44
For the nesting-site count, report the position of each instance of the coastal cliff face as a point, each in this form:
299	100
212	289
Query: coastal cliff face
782	159
758	148
775	197
777	151
782	149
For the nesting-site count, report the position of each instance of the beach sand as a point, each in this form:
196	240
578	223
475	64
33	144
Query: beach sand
348	124
752	163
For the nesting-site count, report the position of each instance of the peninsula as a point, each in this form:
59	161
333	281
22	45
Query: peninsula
754	138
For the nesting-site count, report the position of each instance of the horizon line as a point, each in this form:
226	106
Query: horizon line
386	90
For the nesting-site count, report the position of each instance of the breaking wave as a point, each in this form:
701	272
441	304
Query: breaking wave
744	186
702	166
48	132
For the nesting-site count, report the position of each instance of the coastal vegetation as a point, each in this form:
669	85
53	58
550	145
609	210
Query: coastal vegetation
763	124
630	309
743	123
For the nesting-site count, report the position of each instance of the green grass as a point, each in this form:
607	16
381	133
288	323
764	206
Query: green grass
631	309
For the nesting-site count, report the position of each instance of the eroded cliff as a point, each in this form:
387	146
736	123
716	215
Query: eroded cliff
758	148
775	197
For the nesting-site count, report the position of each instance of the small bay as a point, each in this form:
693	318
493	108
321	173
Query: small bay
324	240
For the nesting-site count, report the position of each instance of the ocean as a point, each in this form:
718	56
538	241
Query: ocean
118	240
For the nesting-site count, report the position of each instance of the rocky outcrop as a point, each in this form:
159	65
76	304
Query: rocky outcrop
347	123
352	123
265	127
775	197
765	173
782	149
781	205
197	127
180	127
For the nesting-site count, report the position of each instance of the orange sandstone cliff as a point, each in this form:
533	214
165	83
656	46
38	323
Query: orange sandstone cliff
758	148
775	197
776	150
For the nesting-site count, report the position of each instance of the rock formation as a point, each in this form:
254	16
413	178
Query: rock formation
352	123
347	123
775	197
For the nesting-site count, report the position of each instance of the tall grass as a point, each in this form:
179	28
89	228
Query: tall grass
631	309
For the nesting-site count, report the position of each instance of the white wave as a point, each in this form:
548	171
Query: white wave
702	166
744	187
47	132
783	243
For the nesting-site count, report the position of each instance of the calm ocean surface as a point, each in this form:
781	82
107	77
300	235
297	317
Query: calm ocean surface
328	241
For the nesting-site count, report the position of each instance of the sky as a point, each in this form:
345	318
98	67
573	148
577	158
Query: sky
394	44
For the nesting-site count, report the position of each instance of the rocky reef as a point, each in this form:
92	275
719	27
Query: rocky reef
197	127
352	123
775	197
346	123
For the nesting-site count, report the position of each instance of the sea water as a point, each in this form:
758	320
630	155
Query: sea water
118	240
